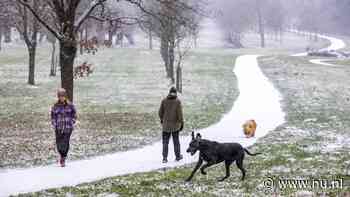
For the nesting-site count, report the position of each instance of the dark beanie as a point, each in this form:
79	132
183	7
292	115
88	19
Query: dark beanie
173	90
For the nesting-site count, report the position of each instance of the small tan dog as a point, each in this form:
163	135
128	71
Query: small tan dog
249	128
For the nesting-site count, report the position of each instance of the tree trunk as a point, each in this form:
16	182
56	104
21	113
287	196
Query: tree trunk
150	39
0	38
53	60
41	37
262	35
86	33
67	55
80	40
195	41
261	25
121	35
236	40
130	38
7	34
100	32
316	36
172	60
164	52
281	35
110	36
31	74
275	32
179	77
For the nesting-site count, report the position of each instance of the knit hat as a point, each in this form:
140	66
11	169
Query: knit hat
173	91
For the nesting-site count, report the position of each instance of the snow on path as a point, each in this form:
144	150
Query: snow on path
323	62
336	44
258	99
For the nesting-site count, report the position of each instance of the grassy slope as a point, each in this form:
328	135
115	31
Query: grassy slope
126	87
316	99
342	62
313	143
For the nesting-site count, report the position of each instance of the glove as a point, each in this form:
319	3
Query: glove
182	127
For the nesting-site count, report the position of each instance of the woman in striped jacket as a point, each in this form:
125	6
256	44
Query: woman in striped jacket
63	117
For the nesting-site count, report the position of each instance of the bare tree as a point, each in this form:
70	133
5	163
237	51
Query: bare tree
318	16
52	39
4	18
28	27
65	26
7	30
240	16
181	53
172	22
261	22
67	22
148	23
0	36
1	30
235	24
275	18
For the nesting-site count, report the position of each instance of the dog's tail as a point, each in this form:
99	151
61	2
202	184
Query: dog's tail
251	154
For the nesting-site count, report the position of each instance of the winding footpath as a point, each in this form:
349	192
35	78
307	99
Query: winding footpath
265	109
336	44
258	99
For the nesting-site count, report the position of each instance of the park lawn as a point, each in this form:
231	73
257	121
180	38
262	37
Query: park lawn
341	62
126	88
291	43
312	144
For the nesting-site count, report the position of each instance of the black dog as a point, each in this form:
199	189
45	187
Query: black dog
213	153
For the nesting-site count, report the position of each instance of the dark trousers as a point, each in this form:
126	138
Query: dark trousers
166	138
62	141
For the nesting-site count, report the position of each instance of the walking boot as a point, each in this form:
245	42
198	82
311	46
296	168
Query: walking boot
63	161
179	158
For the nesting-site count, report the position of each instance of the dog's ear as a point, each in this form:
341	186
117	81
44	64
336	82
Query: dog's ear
192	134
199	136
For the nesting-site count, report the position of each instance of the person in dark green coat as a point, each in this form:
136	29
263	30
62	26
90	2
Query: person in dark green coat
171	118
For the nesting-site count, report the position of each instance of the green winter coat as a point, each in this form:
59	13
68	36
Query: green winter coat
170	114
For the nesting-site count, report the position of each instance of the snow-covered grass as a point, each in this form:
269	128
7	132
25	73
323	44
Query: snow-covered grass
228	129
312	144
340	62
210	35
292	40
317	101
126	88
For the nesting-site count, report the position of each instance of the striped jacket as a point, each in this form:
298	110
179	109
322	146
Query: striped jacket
63	116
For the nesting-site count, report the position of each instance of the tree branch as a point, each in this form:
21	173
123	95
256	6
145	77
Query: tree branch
87	12
138	3
40	19
120	20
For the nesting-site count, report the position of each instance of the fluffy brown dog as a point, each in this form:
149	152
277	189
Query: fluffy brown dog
249	128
